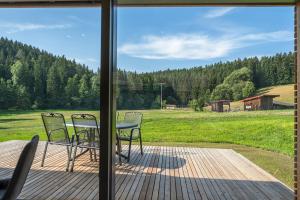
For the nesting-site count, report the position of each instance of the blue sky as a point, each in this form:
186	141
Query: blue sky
74	33
151	39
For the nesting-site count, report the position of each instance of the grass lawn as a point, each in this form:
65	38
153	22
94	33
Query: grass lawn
270	132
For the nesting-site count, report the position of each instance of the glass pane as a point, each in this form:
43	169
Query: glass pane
50	86
214	86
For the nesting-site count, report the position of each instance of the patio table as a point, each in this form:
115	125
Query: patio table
119	126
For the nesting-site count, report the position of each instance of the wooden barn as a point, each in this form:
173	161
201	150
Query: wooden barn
261	102
218	106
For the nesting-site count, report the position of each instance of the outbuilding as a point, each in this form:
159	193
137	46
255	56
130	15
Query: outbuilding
218	106
260	102
171	107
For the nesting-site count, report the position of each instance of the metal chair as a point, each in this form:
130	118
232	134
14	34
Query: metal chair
132	133
57	133
87	135
11	188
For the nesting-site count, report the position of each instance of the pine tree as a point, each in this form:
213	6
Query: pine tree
40	78
54	94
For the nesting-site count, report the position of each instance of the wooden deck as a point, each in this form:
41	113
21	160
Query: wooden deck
162	173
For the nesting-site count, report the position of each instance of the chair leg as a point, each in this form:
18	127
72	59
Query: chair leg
120	146
68	150
95	155
73	159
44	155
141	143
69	156
91	154
129	150
119	141
119	151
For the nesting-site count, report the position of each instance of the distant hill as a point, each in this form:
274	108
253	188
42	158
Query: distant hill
286	92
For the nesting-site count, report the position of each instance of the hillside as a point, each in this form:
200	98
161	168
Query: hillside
286	93
183	86
33	78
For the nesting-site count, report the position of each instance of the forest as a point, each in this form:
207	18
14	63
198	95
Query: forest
31	78
197	86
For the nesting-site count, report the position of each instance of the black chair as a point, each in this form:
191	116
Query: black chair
11	188
132	133
57	133
87	136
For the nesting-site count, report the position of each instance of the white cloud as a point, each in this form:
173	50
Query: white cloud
197	46
19	27
68	36
218	12
82	35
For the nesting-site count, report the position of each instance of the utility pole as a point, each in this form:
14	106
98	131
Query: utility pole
161	106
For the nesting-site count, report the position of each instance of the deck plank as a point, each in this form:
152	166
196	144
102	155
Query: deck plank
161	173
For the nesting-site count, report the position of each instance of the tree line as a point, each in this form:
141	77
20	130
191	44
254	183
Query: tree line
31	78
198	84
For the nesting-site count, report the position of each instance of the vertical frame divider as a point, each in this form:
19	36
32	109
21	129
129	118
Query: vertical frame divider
108	100
296	97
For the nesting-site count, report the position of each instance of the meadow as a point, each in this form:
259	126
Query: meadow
265	137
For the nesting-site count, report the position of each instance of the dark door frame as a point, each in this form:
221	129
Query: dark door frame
296	97
109	66
108	100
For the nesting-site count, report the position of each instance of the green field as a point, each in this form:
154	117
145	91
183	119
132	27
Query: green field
265	137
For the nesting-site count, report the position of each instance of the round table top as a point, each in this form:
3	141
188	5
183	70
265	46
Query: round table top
125	125
119	125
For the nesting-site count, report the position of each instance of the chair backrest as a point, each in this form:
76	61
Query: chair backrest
83	124
22	169
55	127
134	117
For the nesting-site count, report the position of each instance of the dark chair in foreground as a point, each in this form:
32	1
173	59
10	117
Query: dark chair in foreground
132	133
11	188
57	133
87	136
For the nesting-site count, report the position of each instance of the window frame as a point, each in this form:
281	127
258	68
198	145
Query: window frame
109	70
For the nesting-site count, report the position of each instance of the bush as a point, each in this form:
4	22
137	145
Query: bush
249	89
156	103
197	105
236	86
222	91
